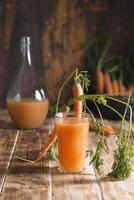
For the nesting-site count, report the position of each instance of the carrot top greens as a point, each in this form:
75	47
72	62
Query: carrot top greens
123	160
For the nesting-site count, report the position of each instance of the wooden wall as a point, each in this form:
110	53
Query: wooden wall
59	30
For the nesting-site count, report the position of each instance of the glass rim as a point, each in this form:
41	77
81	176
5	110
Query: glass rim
84	115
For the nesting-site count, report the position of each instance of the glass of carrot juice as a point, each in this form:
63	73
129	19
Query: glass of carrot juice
72	136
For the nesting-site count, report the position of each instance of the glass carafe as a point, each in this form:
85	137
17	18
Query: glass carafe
27	103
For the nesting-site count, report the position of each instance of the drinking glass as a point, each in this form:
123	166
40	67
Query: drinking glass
72	136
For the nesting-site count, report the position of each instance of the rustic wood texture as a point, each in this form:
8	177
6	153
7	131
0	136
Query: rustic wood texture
80	187
21	174
42	180
59	31
7	144
26	195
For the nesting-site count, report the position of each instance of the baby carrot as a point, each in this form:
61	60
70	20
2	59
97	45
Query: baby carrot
108	130
77	106
99	81
121	88
108	83
131	90
50	142
115	87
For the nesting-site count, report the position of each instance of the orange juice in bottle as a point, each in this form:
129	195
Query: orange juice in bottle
27	102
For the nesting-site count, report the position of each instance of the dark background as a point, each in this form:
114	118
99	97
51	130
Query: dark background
59	30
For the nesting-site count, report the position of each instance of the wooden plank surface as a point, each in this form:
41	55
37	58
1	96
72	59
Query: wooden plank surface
8	141
36	194
42	180
75	186
23	177
0	196
6	150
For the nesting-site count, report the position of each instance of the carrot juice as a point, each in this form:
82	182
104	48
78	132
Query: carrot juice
72	143
27	113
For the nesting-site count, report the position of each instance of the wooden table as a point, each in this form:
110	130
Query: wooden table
42	181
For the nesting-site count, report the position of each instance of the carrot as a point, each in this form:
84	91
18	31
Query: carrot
77	106
108	130
121	87
131	90
115	87
99	81
50	142
108	83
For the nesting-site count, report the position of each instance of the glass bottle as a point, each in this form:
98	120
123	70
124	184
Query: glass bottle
27	103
